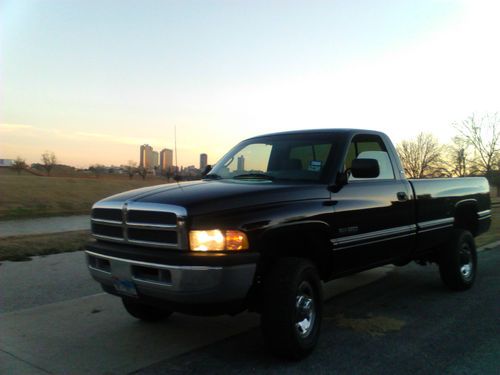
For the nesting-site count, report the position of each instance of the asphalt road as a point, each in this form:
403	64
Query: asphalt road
405	323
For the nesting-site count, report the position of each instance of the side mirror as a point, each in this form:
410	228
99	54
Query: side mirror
365	168
206	171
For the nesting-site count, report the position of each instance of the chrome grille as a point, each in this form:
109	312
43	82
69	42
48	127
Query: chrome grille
145	224
166	218
107	214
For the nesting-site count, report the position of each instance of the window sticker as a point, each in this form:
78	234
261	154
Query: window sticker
314	166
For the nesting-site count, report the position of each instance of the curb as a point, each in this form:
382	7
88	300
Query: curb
489	246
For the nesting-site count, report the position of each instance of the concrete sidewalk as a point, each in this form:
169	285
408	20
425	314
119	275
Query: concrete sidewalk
44	225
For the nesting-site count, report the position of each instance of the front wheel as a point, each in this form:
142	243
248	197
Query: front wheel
292	308
458	261
146	313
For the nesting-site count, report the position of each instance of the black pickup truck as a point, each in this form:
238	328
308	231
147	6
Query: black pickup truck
273	218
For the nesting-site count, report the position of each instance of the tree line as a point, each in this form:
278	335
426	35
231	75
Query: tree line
48	159
473	151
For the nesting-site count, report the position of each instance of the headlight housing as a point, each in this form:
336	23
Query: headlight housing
217	240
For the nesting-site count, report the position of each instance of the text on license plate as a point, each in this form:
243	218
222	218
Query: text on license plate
125	286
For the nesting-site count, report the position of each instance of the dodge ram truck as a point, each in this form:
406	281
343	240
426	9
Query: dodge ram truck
278	215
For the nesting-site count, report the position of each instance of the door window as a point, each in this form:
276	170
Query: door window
370	147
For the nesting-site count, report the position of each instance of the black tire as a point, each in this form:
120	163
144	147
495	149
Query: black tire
458	261
292	308
401	262
146	313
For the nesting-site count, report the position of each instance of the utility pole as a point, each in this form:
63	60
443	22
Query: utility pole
175	145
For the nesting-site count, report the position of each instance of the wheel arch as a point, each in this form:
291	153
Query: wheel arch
309	240
466	216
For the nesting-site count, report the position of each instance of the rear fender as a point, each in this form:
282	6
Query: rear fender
466	215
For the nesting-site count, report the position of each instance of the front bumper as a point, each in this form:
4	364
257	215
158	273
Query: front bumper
185	284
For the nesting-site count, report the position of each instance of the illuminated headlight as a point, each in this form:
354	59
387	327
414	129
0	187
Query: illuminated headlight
217	240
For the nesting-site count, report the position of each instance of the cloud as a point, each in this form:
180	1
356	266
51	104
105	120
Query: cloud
135	141
14	127
24	130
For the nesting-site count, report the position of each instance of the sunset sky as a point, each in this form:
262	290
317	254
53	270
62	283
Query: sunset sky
92	80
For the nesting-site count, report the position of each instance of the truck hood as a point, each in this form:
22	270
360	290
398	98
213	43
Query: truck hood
200	197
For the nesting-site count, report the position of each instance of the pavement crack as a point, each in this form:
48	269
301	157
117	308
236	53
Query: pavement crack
26	362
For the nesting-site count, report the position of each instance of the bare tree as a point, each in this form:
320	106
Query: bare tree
19	165
421	157
131	168
482	135
97	169
459	158
143	172
49	161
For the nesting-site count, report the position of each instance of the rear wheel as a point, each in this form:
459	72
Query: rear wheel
146	313
458	261
292	308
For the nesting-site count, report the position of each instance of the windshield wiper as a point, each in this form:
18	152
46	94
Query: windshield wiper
211	176
254	175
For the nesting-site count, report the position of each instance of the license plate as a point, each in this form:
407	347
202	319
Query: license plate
125	286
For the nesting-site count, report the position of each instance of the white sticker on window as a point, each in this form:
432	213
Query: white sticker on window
314	166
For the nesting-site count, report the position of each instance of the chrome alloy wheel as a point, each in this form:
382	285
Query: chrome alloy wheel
305	308
465	258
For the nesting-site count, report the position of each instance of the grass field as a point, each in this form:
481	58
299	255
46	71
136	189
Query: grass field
24	247
28	196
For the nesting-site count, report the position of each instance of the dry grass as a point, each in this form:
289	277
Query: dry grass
28	196
23	247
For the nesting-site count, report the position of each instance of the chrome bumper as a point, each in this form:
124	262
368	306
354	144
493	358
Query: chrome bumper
183	284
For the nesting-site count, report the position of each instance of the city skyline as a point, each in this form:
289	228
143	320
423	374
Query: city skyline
164	160
90	81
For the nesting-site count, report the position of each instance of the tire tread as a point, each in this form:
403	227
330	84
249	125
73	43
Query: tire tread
279	297
449	264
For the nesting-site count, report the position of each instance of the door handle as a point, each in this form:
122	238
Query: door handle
402	196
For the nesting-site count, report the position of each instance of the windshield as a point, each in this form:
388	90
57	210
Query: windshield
276	158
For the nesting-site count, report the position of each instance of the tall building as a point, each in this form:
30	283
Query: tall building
166	160
241	163
203	161
146	157
155	162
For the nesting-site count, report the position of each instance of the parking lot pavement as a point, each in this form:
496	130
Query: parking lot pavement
94	335
56	320
405	323
44	280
